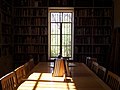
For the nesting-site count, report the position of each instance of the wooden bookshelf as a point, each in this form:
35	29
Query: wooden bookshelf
6	25
93	26
31	30
0	32
6	28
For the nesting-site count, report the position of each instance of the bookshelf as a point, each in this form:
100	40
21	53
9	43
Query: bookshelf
0	31
93	26
31	30
6	27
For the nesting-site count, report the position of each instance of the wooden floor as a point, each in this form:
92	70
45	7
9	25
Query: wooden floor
83	78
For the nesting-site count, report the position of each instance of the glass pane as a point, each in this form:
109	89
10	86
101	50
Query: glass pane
55	50
66	39
67	17
66	28
56	17
55	28
66	51
55	39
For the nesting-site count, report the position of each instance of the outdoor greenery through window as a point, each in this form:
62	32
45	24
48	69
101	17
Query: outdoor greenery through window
61	34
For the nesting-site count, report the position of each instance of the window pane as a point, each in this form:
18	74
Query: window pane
66	28
66	39
55	39
66	51
67	17
55	28
56	17
55	50
61	21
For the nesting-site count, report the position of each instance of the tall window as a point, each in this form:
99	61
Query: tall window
61	41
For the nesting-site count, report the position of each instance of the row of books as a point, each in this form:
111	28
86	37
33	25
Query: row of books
30	49
31	31
31	40
102	12
61	3
83	40
31	12
5	7
6	39
39	21
9	2
83	49
93	31
92	21
93	40
83	31
40	3
102	31
84	12
101	40
31	21
24	3
22	58
5	51
6	18
89	49
6	30
18	3
107	12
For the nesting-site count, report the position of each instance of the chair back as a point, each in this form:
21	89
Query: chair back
8	82
113	81
31	63
101	72
20	74
27	68
94	66
89	61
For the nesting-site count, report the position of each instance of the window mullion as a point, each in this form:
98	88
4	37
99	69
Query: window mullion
61	38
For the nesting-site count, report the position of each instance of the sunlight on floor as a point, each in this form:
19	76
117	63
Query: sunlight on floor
45	81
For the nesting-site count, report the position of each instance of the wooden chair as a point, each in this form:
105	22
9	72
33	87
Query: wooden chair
31	63
8	82
94	66
20	74
113	81
89	61
27	68
101	72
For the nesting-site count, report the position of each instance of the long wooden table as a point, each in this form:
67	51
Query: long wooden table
82	79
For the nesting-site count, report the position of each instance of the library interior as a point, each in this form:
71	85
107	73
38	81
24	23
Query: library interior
81	31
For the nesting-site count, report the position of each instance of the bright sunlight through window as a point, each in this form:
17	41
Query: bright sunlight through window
61	28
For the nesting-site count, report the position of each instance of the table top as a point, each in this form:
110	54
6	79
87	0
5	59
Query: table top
82	78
